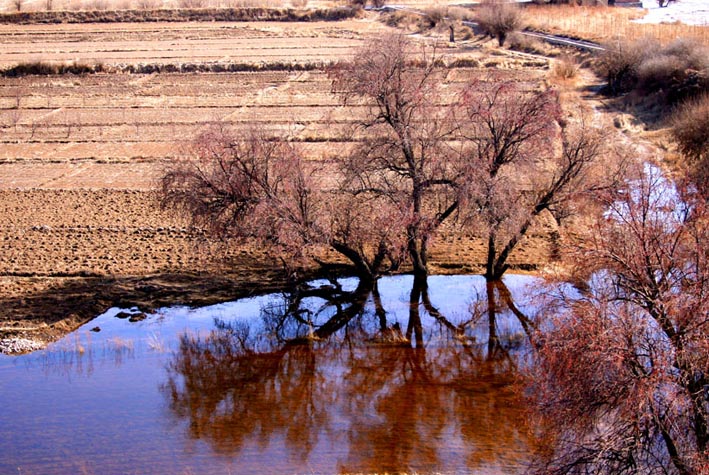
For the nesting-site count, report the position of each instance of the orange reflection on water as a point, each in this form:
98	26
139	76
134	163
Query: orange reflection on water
356	400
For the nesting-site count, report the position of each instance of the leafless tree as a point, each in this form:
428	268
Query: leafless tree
623	371
251	186
513	168
404	159
499	18
496	162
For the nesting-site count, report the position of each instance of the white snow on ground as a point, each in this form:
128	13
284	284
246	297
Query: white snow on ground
689	12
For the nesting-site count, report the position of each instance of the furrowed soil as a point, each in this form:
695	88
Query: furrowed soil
81	227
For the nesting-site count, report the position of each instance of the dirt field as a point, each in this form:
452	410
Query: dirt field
80	226
100	5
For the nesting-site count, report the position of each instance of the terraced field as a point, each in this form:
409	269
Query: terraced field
80	156
120	43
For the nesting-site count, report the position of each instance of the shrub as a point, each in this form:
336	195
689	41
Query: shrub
619	63
191	3
41	68
673	74
679	72
408	21
459	14
527	44
363	3
147	4
96	5
436	15
565	68
690	129
498	19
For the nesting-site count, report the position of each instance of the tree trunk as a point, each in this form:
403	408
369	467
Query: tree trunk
492	340
414	327
490	264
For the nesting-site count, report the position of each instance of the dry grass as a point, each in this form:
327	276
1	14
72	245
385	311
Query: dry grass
690	130
565	68
526	44
10	6
98	11
606	23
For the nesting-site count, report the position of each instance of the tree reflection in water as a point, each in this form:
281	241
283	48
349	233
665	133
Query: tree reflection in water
329	365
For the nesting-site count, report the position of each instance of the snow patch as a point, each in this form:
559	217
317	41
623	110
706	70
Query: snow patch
689	12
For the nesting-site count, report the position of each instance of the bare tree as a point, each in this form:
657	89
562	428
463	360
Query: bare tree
404	158
499	18
622	376
512	166
255	187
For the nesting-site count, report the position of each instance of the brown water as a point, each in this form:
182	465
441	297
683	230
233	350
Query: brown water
278	384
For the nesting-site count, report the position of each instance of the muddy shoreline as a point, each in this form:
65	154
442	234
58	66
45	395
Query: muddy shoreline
67	303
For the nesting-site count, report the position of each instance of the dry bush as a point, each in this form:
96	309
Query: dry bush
49	5
459	14
407	21
18	4
436	14
191	3
658	75
619	63
679	71
565	68
527	44
147	4
42	68
465	63
363	3
498	19
96	5
690	129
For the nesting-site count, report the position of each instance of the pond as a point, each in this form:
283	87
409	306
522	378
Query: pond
333	378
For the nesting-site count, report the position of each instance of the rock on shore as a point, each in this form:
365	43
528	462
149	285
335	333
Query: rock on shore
11	346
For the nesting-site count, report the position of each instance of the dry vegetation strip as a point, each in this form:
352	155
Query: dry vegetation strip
604	24
180	15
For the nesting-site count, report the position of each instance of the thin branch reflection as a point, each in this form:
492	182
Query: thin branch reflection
329	367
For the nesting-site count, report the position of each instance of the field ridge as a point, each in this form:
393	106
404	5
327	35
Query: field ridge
181	15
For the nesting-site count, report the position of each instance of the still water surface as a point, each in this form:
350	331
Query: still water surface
280	384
